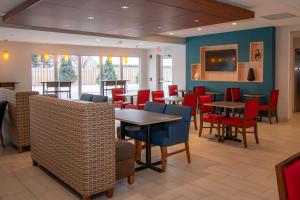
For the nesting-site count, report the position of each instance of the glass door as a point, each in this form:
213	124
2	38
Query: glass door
166	73
131	73
90	74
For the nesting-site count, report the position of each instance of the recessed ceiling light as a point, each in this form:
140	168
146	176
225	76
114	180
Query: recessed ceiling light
124	7
141	43
234	23
91	17
171	33
159	27
98	40
66	25
199	29
196	20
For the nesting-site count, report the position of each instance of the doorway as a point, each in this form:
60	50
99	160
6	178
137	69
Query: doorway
297	81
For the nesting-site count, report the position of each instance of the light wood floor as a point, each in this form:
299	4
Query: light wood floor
218	170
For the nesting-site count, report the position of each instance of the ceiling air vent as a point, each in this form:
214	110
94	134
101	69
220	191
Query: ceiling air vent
279	16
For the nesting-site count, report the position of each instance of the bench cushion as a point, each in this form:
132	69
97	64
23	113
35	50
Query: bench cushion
124	150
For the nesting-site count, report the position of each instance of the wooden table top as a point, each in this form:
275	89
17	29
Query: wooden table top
213	93
254	95
226	104
143	118
171	98
126	95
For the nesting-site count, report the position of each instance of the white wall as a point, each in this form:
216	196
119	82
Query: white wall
18	68
178	54
284	69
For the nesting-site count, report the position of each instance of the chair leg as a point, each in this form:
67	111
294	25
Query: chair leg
195	122
256	134
187	149
223	131
219	130
235	132
109	193
276	115
131	179
200	128
244	137
1	138
210	128
270	116
138	150
164	153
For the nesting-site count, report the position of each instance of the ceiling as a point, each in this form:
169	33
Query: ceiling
23	35
260	7
133	18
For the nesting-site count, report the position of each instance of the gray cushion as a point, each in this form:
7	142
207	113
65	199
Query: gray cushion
124	150
99	98
86	97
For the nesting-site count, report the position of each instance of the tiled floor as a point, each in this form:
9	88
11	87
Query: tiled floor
218	171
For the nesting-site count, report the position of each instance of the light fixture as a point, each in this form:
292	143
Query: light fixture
124	7
46	56
141	43
110	59
171	33
199	29
66	57
66	25
98	40
125	59
196	20
91	17
5	55
234	23
159	27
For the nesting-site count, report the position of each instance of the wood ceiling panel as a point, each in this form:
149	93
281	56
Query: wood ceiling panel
144	17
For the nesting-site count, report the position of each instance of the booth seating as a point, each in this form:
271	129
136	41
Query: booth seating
16	122
86	158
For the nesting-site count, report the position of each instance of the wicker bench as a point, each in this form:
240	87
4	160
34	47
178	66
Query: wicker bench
75	142
16	123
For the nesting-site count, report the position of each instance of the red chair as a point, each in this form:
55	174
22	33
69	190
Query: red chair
156	95
288	178
118	101
191	99
173	90
207	115
249	120
233	94
142	98
271	108
199	90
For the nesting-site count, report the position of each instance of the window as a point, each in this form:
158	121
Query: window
90	74
42	70
131	72
68	71
111	68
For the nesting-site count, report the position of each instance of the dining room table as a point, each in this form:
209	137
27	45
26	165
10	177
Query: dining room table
228	105
214	94
254	95
144	119
171	99
57	85
128	95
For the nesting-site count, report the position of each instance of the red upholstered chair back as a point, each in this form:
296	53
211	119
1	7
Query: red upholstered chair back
274	98
191	99
199	90
236	94
157	94
116	91
251	109
288	178
143	96
203	100
228	95
173	90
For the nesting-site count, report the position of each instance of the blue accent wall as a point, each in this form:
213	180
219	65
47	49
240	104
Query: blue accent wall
243	39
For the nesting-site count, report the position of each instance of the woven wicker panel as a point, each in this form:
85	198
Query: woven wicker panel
17	119
75	142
